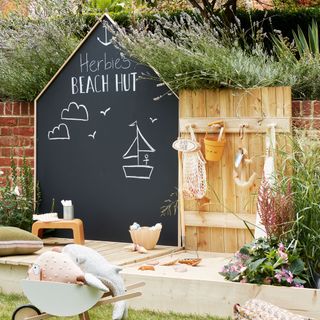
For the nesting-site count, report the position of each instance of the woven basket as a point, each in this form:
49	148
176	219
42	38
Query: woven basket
145	237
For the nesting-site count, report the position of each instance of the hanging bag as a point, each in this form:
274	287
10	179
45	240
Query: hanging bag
194	185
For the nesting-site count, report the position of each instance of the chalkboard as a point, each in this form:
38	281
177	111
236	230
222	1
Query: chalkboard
104	141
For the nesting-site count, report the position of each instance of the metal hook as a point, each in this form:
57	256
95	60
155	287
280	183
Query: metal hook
241	130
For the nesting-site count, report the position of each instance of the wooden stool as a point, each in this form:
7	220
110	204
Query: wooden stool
76	225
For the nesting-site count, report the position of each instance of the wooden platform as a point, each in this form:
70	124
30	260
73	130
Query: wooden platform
14	268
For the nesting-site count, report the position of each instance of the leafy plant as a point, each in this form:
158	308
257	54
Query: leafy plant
266	261
32	48
17	197
305	184
303	57
108	5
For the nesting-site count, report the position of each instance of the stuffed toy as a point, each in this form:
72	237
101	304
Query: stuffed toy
59	267
92	262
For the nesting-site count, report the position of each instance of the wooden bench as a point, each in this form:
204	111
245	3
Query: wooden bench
76	225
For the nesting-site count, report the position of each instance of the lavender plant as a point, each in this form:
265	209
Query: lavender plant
34	46
192	55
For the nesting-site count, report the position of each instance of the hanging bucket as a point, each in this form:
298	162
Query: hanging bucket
214	143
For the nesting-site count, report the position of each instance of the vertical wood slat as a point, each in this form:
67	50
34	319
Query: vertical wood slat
199	110
262	102
186	110
215	178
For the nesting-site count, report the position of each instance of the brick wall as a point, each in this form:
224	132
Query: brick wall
306	114
16	134
17	128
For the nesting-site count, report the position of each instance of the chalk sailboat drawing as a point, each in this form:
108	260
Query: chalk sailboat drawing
139	145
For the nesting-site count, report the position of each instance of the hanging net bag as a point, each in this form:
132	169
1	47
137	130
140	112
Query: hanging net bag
194	183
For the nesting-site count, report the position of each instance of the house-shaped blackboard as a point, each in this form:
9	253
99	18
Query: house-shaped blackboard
104	141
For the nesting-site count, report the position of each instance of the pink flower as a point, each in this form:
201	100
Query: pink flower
289	276
278	276
243	269
283	255
281	247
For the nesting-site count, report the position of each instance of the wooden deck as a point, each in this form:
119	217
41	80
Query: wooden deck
14	268
118	253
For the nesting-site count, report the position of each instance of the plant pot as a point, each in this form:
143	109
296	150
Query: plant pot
145	237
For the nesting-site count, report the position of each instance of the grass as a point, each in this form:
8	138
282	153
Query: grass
8	303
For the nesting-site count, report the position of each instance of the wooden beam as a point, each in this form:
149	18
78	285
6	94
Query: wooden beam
219	219
232	125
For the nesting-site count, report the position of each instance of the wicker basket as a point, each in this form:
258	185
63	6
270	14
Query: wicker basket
145	237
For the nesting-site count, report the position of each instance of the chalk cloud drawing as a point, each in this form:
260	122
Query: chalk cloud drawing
105	42
60	132
105	111
75	112
153	119
93	135
138	146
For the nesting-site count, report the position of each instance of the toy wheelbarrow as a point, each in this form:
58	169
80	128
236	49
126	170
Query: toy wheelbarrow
64	299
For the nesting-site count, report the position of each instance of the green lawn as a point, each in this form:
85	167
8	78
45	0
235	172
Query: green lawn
8	303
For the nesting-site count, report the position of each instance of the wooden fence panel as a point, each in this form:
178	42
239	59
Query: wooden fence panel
213	223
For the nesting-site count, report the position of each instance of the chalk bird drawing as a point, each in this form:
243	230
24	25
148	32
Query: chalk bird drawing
139	145
153	119
75	112
60	132
105	111
106	42
93	135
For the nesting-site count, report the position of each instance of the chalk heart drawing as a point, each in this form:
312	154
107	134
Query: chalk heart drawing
60	132
139	145
104	112
75	112
105	42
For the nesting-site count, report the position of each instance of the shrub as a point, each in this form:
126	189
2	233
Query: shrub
17	197
191	55
33	48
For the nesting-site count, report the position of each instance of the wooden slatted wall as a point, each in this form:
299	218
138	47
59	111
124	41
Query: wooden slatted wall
210	223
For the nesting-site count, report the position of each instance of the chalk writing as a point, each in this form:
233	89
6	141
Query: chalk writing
95	65
98	83
125	82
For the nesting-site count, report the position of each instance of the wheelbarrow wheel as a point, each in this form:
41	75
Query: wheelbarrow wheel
25	311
